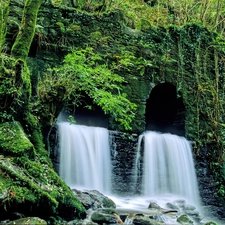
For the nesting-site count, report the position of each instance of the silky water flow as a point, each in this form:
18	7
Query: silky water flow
168	168
84	157
166	174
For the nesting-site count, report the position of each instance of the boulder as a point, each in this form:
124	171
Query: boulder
145	221
172	206
101	218
28	184
184	220
94	199
28	221
13	140
154	205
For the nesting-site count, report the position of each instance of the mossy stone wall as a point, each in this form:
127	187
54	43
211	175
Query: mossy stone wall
189	57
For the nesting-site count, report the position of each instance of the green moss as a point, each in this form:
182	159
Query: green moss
183	219
13	140
33	129
25	36
35	189
3	20
108	203
28	183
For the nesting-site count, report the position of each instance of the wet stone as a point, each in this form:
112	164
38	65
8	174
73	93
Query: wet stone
192	212
28	220
189	207
180	203
145	221
184	219
153	205
103	218
171	206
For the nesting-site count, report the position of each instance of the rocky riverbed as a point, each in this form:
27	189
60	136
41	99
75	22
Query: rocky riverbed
103	210
121	210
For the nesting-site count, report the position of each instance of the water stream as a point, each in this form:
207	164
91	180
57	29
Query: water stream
85	157
168	167
166	174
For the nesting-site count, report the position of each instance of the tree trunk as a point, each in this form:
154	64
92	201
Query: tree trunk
20	51
4	10
21	47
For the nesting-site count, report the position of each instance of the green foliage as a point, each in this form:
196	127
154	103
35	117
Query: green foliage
7	86
84	72
67	33
71	119
4	10
91	5
140	14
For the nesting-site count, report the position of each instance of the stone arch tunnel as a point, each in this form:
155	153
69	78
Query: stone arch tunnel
165	112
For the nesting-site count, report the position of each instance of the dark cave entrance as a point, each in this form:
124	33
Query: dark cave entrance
164	111
87	113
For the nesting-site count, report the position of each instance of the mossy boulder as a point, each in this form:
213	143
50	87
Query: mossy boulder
13	140
183	219
101	218
28	221
28	184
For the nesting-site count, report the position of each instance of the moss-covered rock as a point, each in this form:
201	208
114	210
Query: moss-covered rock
28	184
101	218
35	189
183	219
13	140
28	221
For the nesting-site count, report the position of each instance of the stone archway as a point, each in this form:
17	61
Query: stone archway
164	111
90	114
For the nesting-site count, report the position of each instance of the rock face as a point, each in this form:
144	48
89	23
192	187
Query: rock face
207	185
123	155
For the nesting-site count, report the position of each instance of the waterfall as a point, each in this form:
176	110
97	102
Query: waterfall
168	167
164	164
84	157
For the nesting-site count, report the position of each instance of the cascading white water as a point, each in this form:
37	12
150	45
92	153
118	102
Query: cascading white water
168	168
167	172
85	157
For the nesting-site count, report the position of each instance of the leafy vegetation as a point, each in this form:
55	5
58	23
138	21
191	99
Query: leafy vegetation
84	73
4	10
159	13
